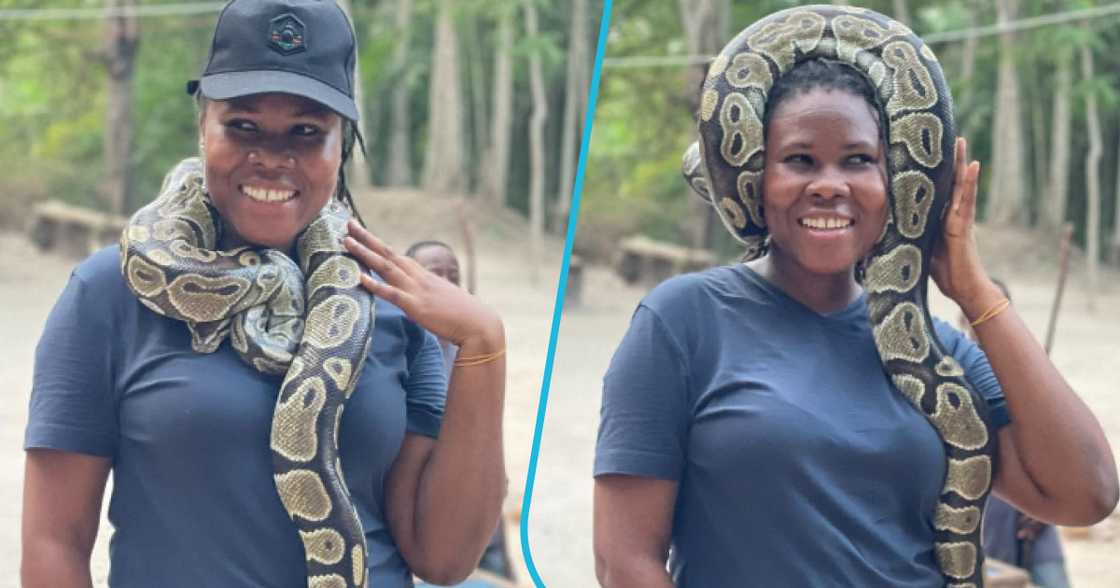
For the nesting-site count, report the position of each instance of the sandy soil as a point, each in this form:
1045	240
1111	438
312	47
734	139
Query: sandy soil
522	289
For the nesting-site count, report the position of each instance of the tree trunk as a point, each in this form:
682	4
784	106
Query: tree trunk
536	136
496	161
1038	143
444	165
1006	202
966	103
704	24
1057	194
479	126
122	38
902	12
399	165
1092	174
1114	244
575	107
357	176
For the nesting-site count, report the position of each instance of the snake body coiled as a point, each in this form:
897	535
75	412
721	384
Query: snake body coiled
311	323
726	166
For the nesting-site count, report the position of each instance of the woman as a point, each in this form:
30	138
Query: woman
217	447
749	431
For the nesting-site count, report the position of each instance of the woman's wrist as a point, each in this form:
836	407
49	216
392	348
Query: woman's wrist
980	301
487	339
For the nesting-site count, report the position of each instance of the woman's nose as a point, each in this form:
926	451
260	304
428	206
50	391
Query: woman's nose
268	155
829	183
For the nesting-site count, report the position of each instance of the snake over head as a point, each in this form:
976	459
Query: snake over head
726	166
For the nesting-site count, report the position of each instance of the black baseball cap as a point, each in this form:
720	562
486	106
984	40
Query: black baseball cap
301	47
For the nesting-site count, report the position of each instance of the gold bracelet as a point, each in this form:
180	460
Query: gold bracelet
993	311
470	360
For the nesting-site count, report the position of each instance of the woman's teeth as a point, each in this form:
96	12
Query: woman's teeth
266	195
825	223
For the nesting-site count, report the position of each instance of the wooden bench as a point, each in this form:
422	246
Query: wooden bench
645	261
72	230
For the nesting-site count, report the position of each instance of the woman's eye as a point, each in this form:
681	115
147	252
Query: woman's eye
799	159
239	124
860	159
305	130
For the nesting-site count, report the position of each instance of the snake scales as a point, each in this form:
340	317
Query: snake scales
726	165
315	331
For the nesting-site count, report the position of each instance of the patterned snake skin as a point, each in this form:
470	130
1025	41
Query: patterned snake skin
725	167
171	261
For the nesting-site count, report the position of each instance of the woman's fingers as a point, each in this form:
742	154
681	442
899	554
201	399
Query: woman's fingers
387	268
394	296
370	241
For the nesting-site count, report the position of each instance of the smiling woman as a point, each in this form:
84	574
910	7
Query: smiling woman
798	419
272	164
267	421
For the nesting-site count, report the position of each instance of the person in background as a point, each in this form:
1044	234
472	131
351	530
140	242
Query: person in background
439	258
1015	537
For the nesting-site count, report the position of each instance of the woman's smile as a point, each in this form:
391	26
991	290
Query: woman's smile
265	194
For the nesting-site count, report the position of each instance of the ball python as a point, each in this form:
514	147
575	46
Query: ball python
725	166
309	322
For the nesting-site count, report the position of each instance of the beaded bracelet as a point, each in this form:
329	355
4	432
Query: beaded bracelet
478	359
993	311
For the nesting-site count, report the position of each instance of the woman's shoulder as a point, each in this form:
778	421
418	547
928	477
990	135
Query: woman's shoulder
693	292
102	268
99	280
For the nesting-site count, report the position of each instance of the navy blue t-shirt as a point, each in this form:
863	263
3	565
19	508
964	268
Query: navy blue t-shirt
798	462
193	501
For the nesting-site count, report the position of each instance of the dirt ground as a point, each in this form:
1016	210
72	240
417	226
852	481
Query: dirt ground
522	288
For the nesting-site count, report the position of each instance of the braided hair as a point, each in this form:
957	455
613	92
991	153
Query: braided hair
823	74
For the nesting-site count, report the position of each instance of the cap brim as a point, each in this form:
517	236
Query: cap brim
224	86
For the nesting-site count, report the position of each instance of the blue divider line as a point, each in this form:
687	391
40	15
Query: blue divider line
561	288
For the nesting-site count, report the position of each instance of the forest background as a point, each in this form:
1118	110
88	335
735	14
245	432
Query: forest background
1035	84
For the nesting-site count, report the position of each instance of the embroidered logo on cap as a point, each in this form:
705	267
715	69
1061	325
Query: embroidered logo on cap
286	34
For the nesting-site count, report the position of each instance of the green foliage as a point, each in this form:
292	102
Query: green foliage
644	122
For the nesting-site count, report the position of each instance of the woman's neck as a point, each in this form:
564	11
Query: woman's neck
823	293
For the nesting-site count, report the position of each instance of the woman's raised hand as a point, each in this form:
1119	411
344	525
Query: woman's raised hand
956	266
439	306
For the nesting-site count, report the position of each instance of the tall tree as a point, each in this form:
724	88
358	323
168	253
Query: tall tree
967	103
1057	194
496	160
539	117
1006	202
575	107
122	38
399	165
358	176
476	52
704	23
1092	170
1114	244
901	12
444	164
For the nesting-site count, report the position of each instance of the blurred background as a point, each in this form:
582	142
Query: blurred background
1035	85
472	116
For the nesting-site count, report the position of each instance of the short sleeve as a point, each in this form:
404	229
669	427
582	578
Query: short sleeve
73	400
977	371
644	417
426	389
